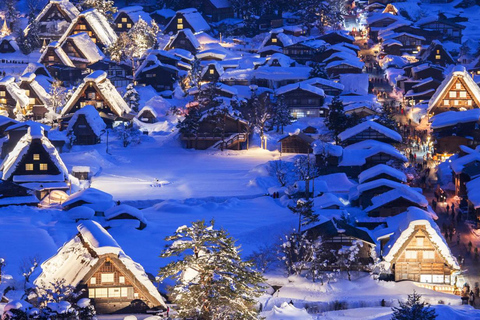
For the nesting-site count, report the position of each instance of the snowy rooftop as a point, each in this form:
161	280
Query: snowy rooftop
357	154
93	119
380	169
351	132
392	195
451	118
300	86
194	18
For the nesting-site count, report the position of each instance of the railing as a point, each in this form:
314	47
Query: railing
447	288
236	137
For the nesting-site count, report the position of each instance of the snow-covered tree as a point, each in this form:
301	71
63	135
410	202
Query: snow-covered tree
318	70
280	170
189	125
131	97
413	309
281	116
257	110
10	12
336	120
106	7
29	40
192	78
347	257
57	291
306	214
207	96
128	135
211	280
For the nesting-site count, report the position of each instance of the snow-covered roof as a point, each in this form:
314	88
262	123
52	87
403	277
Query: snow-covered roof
285	39
451	118
42	94
85	44
220	4
218	68
279	73
433	46
65	6
350	132
135	13
55	45
194	19
380	169
459	164
189	35
336	182
356	63
394	194
327	200
301	86
283	60
287	311
362	187
327	148
11	162
324	82
106	88
12	41
473	192
357	153
76	258
375	17
19	95
93	119
92	198
458	71
99	24
405	224
116	211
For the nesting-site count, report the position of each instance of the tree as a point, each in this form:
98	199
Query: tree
281	116
58	98
11	13
336	120
306	214
128	135
192	78
280	170
189	126
347	256
257	110
131	97
28	267
106	7
413	309
29	40
318	70
305	169
211	280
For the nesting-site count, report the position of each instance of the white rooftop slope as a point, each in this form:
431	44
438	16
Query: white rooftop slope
43	95
14	90
301	86
287	312
74	260
114	212
458	71
194	18
93	118
389	196
66	6
389	133
87	47
459	163
356	154
451	118
13	159
91	197
380	169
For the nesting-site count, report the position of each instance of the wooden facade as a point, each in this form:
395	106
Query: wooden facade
216	13
419	260
36	105
393	207
51	57
122	22
448	30
37	162
301	53
6	46
449	139
82	132
181	41
303	103
53	23
455	97
297	143
119	74
161	78
337	70
368	134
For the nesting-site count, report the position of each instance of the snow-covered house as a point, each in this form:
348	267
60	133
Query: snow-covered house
184	39
35	163
449	30
303	100
330	88
297	142
304	51
120	74
276	38
187	19
363	193
55	55
98	91
436	54
156	74
38	97
414	249
369	130
336	68
396	201
335	37
421	90
54	19
16	131
378	21
95	25
117	216
465	169
93	261
14	194
382	171
81	50
12	98
126	17
86	126
217	10
92	198
211	72
8	44
457	92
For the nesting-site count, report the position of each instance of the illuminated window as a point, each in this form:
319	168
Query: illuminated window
43	166
93	280
456	103
27	92
114	292
108	277
51	58
94	40
274	40
129	25
101	293
410	254
452	94
119	25
180	20
458	86
91	95
82	27
121	279
36	156
91	293
29	166
2	93
31	101
179	26
124	292
438	57
438	51
469	102
429	255
463	94
124	19
420	241
212	71
3	101
446	102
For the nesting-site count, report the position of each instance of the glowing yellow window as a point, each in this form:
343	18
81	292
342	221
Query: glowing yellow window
31	101
2	93
124	19
82	27
29	166
36	156
43	166
212	71
119	25
3	101
438	57
180	20
129	25
51	58
27	92
179	26
274	40
458	86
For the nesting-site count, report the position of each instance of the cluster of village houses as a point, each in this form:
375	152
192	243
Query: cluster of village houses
393	220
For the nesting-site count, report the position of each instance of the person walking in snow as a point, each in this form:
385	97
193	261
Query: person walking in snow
471	300
458	239
453	209
447	208
470	246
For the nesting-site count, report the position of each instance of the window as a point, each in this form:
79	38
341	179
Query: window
452	94
179	26
119	73
274	40
36	156
129	25
446	102
91	293
438	278
31	101
430	255
438	57
426	278
51	58
119	25
438	51
29	166
410	254
121	279
456	103
469	102
82	27
458	86
43	166
419	241
93	280
27	92
114	292
2	93
212	71
91	95
108	277
101	293
463	94
124	292
180	20
124	19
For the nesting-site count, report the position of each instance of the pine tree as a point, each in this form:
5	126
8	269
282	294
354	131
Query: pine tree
281	116
131	97
11	13
337	120
106	7
258	111
212	281
306	214
413	309
190	124
29	40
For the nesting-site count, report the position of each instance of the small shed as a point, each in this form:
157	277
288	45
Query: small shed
298	142
86	126
81	172
125	212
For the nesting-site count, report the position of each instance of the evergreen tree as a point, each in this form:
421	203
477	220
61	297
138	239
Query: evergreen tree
131	97
257	111
413	309
306	214
106	7
337	121
11	14
318	71
212	281
29	40
281	116
190	124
